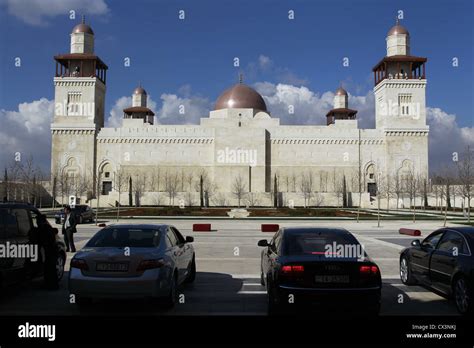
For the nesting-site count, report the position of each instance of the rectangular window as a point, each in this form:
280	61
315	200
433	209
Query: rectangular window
8	223
73	103
23	220
106	187
71	177
404	104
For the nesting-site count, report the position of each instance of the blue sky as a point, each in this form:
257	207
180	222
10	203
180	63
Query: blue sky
194	57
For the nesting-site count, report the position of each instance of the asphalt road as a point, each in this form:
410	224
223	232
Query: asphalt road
227	281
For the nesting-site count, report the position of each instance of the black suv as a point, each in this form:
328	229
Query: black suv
83	213
19	231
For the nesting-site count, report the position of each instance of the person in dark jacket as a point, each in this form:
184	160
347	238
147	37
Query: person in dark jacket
47	240
69	228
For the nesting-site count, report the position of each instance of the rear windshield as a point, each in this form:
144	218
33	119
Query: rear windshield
8	223
316	243
126	237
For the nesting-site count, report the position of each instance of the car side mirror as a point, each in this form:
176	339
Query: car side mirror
189	239
262	243
416	243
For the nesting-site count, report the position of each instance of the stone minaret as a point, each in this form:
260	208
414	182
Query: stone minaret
79	92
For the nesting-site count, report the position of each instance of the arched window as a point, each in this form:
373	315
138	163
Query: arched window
370	180
106	178
405	172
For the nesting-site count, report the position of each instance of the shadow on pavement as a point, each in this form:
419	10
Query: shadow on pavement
215	294
210	292
399	299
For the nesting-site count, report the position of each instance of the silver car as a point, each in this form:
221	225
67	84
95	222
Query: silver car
133	261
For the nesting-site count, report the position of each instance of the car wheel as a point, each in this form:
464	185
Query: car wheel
462	296
192	271
60	262
170	300
406	274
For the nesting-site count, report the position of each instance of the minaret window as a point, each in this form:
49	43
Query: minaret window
404	103
73	103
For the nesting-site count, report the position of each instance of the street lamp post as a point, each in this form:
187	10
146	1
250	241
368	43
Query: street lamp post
98	197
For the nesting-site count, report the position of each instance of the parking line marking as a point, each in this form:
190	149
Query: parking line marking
386	258
236	258
244	276
253	284
380	242
257	292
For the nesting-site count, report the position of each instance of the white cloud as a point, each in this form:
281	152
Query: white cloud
193	107
264	62
38	12
27	131
446	137
116	113
265	68
310	108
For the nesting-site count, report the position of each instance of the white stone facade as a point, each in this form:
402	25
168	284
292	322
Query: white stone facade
241	147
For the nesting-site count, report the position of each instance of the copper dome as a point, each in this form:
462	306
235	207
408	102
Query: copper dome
240	96
341	91
139	90
82	28
398	29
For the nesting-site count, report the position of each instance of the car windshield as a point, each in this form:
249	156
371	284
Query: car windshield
320	243
121	237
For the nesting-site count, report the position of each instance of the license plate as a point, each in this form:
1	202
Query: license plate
328	279
112	267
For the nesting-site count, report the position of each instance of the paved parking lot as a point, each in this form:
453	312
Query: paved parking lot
228	264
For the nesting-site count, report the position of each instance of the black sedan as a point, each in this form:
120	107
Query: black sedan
443	261
83	213
304	266
21	230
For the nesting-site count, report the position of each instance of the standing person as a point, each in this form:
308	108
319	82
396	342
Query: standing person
47	240
69	228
